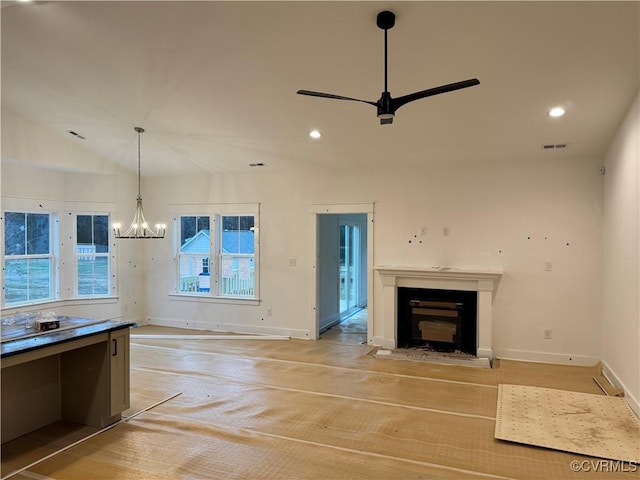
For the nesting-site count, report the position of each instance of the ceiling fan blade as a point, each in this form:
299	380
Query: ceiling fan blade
330	95
400	101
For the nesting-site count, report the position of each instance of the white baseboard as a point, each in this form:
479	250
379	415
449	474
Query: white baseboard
484	353
614	380
386	343
545	357
230	328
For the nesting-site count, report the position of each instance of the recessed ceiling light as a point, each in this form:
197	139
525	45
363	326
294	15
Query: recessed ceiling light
556	112
315	134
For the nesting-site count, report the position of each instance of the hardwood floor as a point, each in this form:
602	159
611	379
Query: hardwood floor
352	331
298	409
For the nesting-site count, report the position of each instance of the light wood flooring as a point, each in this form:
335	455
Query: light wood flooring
297	409
352	330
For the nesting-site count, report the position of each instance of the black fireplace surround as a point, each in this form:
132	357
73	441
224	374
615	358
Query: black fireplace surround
444	320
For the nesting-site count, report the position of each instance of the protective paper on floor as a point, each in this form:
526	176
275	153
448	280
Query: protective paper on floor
304	410
583	423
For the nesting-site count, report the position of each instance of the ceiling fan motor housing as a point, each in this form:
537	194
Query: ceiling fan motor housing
385	110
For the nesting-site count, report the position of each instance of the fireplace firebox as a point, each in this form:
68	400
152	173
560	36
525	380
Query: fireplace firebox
444	320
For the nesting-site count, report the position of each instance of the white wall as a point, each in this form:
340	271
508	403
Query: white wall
621	283
41	172
515	216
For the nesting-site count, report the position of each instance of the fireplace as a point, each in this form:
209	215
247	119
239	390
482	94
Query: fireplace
482	283
443	320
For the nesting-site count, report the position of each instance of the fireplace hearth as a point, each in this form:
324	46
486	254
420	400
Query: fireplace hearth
441	320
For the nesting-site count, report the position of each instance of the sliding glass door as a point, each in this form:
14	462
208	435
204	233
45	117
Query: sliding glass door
349	267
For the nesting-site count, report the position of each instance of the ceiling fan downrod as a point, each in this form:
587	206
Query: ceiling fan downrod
385	21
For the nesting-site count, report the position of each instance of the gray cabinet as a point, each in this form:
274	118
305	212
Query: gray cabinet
81	380
119	371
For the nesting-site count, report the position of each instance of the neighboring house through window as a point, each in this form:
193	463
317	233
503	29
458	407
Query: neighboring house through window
217	259
194	254
237	249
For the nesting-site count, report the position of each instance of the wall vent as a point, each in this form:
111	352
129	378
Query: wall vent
75	134
260	164
554	146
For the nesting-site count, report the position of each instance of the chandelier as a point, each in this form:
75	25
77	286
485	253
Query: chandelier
139	227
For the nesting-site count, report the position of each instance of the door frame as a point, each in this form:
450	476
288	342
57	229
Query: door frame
319	209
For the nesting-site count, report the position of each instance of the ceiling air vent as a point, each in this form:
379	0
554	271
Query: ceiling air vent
75	134
554	146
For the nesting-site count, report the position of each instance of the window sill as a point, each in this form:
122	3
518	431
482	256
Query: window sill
59	303
185	297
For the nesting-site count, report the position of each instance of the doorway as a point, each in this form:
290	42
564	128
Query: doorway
342	276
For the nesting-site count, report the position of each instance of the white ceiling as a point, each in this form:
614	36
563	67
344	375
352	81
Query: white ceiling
214	83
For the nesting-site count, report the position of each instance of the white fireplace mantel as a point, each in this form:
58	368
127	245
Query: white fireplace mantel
485	282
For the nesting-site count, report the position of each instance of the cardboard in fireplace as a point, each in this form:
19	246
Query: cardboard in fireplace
443	320
436	321
437	331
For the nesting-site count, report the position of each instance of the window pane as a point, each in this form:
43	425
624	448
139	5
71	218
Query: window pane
238	276
15	228
101	233
27	280
37	233
92	230
15	274
240	238
195	235
84	229
194	273
93	275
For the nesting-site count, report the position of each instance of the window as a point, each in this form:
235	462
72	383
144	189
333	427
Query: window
217	258
237	249
28	258
194	255
92	255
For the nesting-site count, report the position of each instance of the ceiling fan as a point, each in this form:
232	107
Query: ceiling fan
387	105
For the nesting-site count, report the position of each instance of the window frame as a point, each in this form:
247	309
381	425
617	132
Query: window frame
51	256
221	256
215	212
109	255
179	254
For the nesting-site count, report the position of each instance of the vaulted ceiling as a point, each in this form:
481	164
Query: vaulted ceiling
214	83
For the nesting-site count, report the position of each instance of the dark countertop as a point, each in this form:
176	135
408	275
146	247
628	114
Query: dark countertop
17	339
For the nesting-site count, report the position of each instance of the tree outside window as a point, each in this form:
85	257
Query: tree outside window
28	258
92	255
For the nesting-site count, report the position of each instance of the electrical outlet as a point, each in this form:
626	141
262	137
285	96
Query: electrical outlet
445	232
269	312
547	334
548	266
423	231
